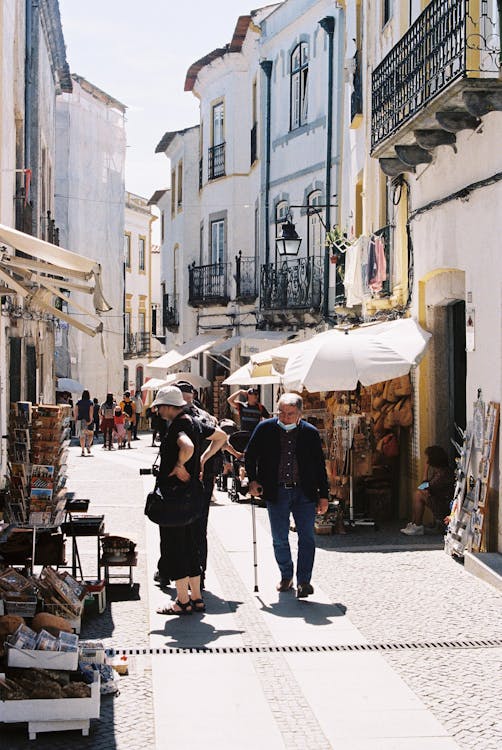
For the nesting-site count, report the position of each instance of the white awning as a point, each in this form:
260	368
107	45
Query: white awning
226	345
39	278
258	341
186	351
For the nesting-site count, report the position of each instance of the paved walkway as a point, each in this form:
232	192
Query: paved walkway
267	669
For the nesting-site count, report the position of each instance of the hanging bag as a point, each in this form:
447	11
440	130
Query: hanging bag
176	504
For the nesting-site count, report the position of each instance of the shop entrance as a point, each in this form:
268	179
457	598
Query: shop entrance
457	367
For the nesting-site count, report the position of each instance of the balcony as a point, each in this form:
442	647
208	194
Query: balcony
440	78
292	285
245	279
136	344
208	285
216	162
170	312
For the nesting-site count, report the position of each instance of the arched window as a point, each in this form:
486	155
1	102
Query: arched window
139	377
315	236
299	85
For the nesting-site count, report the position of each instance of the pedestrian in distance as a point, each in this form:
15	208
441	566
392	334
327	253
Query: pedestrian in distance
180	457
107	412
83	413
157	424
119	423
129	409
250	411
96	418
138	407
286	465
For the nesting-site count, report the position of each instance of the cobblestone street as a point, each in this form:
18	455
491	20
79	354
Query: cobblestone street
276	672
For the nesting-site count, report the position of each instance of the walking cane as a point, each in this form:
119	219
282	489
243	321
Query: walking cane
255	555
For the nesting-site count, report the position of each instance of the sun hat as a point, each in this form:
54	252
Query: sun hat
252	391
169	396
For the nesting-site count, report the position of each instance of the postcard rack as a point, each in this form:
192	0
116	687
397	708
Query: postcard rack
38	438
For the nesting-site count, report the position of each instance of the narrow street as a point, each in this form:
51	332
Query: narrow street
347	668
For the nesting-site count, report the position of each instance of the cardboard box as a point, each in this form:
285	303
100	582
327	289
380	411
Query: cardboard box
21	657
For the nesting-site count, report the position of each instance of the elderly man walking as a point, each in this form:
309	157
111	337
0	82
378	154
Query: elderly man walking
285	463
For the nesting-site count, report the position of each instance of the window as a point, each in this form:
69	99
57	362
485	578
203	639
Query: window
386	11
180	185
127	324
127	250
254	127
315	229
141	322
162	225
141	253
217	241
218	116
139	378
175	269
299	85
173	193
154	320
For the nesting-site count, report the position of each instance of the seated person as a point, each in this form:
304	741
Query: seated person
435	492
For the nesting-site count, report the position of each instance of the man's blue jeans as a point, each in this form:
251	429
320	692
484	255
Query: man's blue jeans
304	511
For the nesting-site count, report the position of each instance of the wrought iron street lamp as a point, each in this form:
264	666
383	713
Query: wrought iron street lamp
288	243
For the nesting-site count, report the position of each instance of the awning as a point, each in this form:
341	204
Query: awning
226	345
39	278
186	351
260	340
251	374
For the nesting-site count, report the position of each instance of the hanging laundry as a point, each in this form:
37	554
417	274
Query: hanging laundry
378	267
353	280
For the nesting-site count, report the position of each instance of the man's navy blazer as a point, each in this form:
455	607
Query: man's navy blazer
263	455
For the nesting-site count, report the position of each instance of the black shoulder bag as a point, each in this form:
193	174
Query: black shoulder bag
173	503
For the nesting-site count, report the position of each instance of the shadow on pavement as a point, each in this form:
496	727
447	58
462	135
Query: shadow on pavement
312	612
193	634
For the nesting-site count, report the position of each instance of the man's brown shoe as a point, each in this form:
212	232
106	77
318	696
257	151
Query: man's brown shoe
285	584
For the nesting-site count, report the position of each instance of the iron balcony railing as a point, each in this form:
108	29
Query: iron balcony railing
449	40
137	343
254	143
356	99
245	278
292	284
208	284
216	161
170	311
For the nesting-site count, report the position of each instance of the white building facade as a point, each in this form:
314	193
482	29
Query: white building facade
91	147
139	344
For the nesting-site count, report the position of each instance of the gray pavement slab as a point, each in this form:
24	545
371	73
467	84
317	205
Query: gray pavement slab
261	677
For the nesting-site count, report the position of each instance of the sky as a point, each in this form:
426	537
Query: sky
139	53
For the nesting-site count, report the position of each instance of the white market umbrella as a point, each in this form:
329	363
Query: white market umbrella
190	377
70	385
153	384
337	360
251	374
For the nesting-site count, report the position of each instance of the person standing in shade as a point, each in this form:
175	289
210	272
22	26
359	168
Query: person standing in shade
285	463
138	406
250	411
83	413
